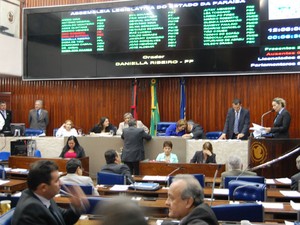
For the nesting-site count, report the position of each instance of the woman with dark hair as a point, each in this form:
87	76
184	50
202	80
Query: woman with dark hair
72	149
104	127
204	156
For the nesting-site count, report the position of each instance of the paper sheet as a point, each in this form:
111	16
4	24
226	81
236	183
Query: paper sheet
3	181
290	193
284	180
295	205
119	187
270	181
257	130
272	205
221	191
155	178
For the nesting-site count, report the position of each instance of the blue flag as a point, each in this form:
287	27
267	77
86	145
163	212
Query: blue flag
182	99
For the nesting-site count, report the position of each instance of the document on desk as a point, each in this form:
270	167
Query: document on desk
117	187
290	193
284	180
155	178
272	205
295	206
221	191
270	181
19	170
3	181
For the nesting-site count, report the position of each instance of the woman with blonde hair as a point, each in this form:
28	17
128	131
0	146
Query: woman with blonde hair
66	130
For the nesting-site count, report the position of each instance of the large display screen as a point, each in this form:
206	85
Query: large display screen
162	38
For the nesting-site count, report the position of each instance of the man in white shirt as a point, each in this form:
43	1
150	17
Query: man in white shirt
74	175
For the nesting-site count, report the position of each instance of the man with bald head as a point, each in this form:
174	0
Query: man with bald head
185	202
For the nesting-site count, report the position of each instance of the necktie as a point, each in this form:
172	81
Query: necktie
3	113
236	123
37	114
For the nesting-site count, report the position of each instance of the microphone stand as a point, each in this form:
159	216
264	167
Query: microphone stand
214	184
134	188
168	176
244	170
262	117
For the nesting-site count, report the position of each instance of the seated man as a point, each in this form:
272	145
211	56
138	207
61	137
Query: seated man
74	175
128	116
295	178
36	204
195	131
185	202
235	164
113	165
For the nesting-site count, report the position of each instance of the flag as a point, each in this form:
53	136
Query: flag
155	118
182	99
134	100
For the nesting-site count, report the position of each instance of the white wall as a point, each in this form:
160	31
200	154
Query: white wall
11	56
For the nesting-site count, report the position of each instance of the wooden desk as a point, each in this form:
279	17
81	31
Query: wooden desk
24	162
164	169
13	186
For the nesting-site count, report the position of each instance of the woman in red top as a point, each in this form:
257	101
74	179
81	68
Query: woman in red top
72	149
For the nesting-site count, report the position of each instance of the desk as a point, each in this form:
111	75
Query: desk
164	169
24	162
13	186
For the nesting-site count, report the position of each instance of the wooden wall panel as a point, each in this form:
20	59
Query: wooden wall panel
208	98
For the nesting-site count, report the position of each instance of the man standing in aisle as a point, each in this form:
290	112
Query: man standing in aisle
237	122
38	117
133	151
7	117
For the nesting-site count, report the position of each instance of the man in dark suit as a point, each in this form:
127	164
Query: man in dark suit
295	178
282	120
7	117
38	117
195	131
237	122
36	204
133	151
113	165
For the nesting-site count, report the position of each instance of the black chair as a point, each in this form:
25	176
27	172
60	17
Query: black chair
213	135
236	212
246	191
199	177
110	178
162	127
256	179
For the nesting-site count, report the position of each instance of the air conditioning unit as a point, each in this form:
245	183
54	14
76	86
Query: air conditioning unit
10	17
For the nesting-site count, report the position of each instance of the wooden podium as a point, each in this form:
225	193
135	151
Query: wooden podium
164	169
264	150
24	162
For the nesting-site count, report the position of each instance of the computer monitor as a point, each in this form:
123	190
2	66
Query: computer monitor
17	129
18	147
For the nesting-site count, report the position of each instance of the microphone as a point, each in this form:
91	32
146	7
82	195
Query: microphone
262	117
214	184
134	187
173	171
241	174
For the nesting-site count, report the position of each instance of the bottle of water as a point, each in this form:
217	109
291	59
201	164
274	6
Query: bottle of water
3	173
29	149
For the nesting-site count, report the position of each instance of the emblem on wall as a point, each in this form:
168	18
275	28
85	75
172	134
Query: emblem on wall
258	152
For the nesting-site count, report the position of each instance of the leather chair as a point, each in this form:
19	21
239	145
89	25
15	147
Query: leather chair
5	219
256	179
199	177
110	178
213	135
33	132
4	156
246	191
94	203
87	189
162	127
236	212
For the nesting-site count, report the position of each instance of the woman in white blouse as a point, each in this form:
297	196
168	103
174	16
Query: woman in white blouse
66	130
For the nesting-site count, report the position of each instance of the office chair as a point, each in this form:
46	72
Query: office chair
94	203
110	178
87	189
256	179
4	156
246	191
5	219
37	153
33	132
213	135
236	212
199	177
